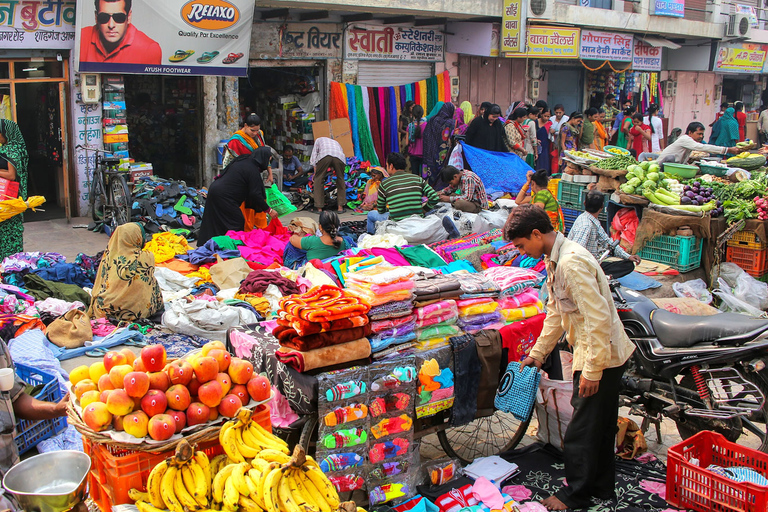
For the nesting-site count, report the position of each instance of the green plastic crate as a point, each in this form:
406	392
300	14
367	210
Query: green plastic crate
569	195
683	253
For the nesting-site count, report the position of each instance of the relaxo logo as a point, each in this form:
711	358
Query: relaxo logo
210	14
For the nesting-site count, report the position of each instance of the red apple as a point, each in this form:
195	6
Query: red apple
198	413
153	357
178	397
222	357
180	372
240	370
159	380
206	369
114	358
136	384
259	388
229	406
161	427
179	417
129	355
240	392
154	402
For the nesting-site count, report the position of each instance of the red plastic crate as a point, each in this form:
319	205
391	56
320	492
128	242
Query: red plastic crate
693	487
754	262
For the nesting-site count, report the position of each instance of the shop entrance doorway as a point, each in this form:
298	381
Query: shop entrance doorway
565	86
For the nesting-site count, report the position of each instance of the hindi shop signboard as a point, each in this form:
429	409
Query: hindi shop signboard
308	41
512	27
371	42
552	42
37	24
675	9
169	37
646	57
740	58
606	46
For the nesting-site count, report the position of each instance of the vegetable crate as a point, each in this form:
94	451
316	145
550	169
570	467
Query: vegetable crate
571	196
754	262
691	486
569	215
29	433
747	240
553	186
683	253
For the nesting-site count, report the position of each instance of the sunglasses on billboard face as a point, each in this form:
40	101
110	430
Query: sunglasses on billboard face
119	17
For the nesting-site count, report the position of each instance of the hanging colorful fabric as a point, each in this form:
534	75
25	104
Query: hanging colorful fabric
354	119
337	108
441	88
447	85
394	134
367	149
423	94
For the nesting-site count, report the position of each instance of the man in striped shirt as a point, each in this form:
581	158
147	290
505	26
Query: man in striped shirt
403	193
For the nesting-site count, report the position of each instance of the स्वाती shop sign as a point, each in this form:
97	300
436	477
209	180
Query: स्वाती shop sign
606	46
553	42
646	57
168	37
740	57
371	42
37	24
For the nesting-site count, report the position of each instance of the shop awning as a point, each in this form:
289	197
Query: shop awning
660	42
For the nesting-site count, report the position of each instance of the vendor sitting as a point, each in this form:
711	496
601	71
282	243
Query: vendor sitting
680	150
328	244
589	233
403	194
294	176
465	190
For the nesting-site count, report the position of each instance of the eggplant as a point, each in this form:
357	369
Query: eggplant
685	200
700	200
690	194
694	203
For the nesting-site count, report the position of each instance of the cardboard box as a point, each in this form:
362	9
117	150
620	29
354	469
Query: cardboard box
8	189
339	130
123	137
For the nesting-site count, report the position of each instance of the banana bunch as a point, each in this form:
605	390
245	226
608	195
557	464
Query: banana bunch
243	439
181	483
275	482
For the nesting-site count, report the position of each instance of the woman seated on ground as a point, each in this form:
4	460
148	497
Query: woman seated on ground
125	286
541	196
328	244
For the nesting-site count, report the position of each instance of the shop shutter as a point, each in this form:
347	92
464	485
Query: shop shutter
385	74
696	10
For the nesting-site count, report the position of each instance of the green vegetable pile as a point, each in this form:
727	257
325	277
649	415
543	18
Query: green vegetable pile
616	163
641	177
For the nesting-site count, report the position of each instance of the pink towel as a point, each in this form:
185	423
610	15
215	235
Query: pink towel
487	493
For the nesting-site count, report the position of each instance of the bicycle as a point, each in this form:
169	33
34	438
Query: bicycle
109	198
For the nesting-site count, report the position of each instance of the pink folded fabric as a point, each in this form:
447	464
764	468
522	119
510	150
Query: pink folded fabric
462	303
391	323
436	309
521	300
487	493
449	318
392	287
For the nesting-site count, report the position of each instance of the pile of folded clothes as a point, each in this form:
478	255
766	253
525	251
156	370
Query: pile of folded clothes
474	286
521	306
438	287
323	328
513	280
478	314
436	321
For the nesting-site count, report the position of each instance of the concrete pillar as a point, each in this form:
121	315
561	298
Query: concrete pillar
221	117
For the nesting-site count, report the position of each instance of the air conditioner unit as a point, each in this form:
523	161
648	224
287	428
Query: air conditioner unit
541	9
739	25
669	88
533	89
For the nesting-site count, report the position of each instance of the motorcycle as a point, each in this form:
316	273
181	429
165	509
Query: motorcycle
703	372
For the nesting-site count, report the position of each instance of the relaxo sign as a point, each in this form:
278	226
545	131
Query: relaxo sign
172	37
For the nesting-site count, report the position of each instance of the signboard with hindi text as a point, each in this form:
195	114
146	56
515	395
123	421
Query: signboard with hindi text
673	8
168	37
606	46
46	24
740	58
552	43
371	42
646	57
512	27
310	41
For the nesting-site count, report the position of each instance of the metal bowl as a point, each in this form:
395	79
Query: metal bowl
49	482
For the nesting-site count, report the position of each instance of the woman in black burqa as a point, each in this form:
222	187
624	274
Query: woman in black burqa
239	183
487	132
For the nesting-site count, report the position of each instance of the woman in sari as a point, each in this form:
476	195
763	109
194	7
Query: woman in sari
622	140
728	134
515	132
541	196
13	167
437	144
125	286
601	136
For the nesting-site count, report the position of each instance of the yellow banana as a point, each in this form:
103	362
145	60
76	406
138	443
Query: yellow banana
270	490
269	435
310	493
324	486
296	488
231	496
167	490
238	478
274	456
361	509
218	483
205	465
248	505
246	451
261	489
137	495
254	475
250	440
287	502
260	464
153	485
201	485
250	483
181	492
265	438
226	426
146	507
311	462
228	442
217	463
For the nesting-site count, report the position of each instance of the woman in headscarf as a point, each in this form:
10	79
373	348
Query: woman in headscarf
437	143
729	129
459	126
487	132
125	286
515	132
13	167
466	107
239	183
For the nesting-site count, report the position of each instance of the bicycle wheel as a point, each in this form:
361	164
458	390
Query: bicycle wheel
483	437
97	197
121	199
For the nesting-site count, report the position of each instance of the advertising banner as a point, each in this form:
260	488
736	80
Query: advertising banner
646	57
606	46
740	58
552	42
37	24
172	37
675	9
371	42
512	27
308	41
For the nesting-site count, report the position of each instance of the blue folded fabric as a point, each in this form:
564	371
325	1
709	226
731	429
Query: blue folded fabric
68	273
207	254
505	172
638	282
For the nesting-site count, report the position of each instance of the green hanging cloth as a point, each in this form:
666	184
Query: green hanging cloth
366	140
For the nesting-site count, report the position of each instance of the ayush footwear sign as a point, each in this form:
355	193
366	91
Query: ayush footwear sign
173	37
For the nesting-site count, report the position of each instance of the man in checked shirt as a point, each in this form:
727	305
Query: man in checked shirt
465	190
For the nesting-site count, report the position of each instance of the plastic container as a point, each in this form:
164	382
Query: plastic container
220	151
570	217
29	433
712	169
747	240
692	487
683	253
681	170
553	185
754	262
623	151
569	195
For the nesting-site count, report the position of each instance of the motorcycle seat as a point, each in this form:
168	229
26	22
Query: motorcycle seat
683	331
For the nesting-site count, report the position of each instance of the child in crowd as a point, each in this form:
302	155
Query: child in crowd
640	134
294	176
371	192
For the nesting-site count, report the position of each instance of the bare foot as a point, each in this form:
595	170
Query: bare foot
554	503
